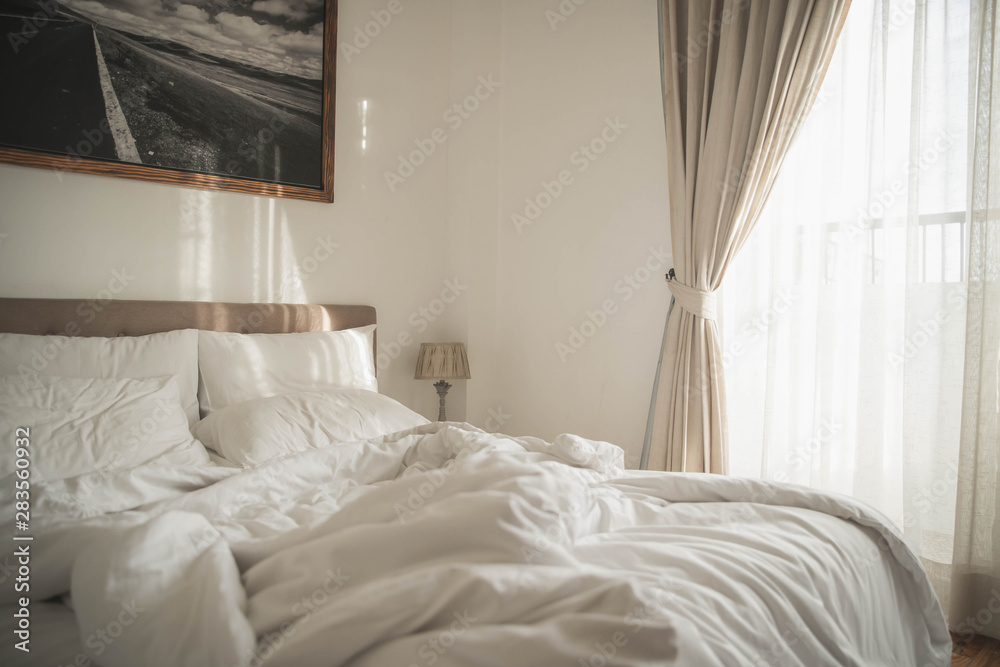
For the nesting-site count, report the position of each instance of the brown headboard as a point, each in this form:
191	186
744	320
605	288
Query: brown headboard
93	317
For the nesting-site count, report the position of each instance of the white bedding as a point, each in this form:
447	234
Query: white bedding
87	425
445	545
134	357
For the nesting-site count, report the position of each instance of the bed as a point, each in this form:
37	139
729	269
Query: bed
222	484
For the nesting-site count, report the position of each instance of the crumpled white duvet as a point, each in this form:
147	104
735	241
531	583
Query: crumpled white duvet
445	545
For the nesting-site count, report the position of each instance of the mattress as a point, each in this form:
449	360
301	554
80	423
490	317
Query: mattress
446	545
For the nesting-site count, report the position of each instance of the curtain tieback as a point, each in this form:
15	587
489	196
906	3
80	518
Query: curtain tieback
696	301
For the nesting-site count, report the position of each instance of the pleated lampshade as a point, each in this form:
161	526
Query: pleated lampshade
442	361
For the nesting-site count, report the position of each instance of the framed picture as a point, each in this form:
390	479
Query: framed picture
231	95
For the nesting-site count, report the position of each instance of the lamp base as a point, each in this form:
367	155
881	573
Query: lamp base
442	390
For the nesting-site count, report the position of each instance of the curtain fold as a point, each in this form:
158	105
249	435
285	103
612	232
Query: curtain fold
739	79
975	572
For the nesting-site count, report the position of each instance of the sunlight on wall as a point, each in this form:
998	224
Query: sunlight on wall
364	126
274	272
262	242
196	244
290	287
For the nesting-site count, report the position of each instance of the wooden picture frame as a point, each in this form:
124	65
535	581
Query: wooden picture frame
250	129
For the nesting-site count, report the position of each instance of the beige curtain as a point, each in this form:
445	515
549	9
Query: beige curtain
739	78
975	572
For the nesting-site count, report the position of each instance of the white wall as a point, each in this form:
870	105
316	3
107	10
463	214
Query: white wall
451	219
564	84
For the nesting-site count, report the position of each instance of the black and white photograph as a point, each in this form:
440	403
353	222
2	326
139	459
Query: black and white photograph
231	88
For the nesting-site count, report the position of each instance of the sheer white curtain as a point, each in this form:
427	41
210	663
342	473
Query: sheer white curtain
844	318
975	586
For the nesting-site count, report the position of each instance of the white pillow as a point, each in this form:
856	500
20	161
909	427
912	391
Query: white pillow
241	367
252	432
83	425
169	353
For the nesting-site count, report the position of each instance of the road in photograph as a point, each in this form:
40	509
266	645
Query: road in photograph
52	93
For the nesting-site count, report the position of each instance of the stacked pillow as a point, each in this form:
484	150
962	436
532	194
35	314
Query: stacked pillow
100	404
76	426
111	404
241	367
257	430
266	395
132	357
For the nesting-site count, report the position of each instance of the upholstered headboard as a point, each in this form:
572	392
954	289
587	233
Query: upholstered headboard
92	317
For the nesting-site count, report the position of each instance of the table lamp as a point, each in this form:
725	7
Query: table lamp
442	362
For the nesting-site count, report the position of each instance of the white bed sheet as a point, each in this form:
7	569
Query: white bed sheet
446	545
222	461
